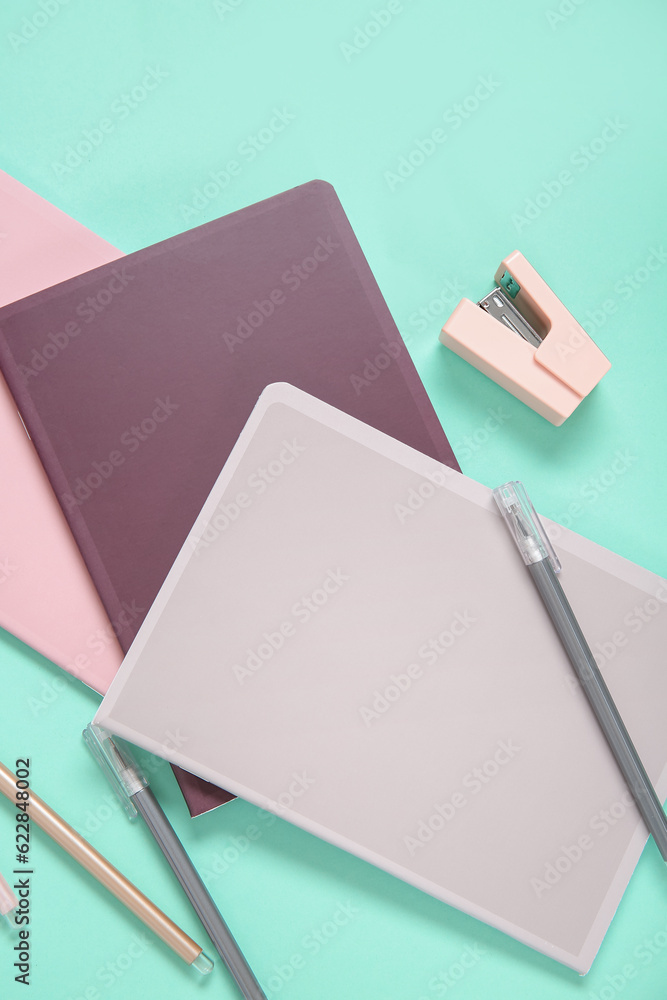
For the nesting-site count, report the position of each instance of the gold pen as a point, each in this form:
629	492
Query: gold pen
90	859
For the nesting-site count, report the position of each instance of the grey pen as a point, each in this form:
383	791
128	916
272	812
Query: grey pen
540	559
132	789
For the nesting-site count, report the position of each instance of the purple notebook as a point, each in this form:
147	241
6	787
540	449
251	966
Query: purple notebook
135	379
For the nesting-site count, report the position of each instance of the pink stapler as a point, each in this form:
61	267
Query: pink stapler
522	336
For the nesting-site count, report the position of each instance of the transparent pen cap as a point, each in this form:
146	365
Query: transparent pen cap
124	774
203	964
524	523
10	920
8	902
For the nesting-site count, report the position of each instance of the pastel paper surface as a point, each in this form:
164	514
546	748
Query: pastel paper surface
317	699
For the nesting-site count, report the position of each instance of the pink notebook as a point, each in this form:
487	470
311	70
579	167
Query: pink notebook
47	598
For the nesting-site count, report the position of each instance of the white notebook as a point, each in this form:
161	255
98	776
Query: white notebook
349	638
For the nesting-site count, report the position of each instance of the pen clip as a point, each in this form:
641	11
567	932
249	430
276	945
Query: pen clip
524	523
121	770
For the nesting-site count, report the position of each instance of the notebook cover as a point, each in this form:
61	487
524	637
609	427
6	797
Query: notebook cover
394	637
47	598
160	360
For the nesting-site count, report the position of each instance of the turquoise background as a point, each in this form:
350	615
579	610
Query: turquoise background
219	71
